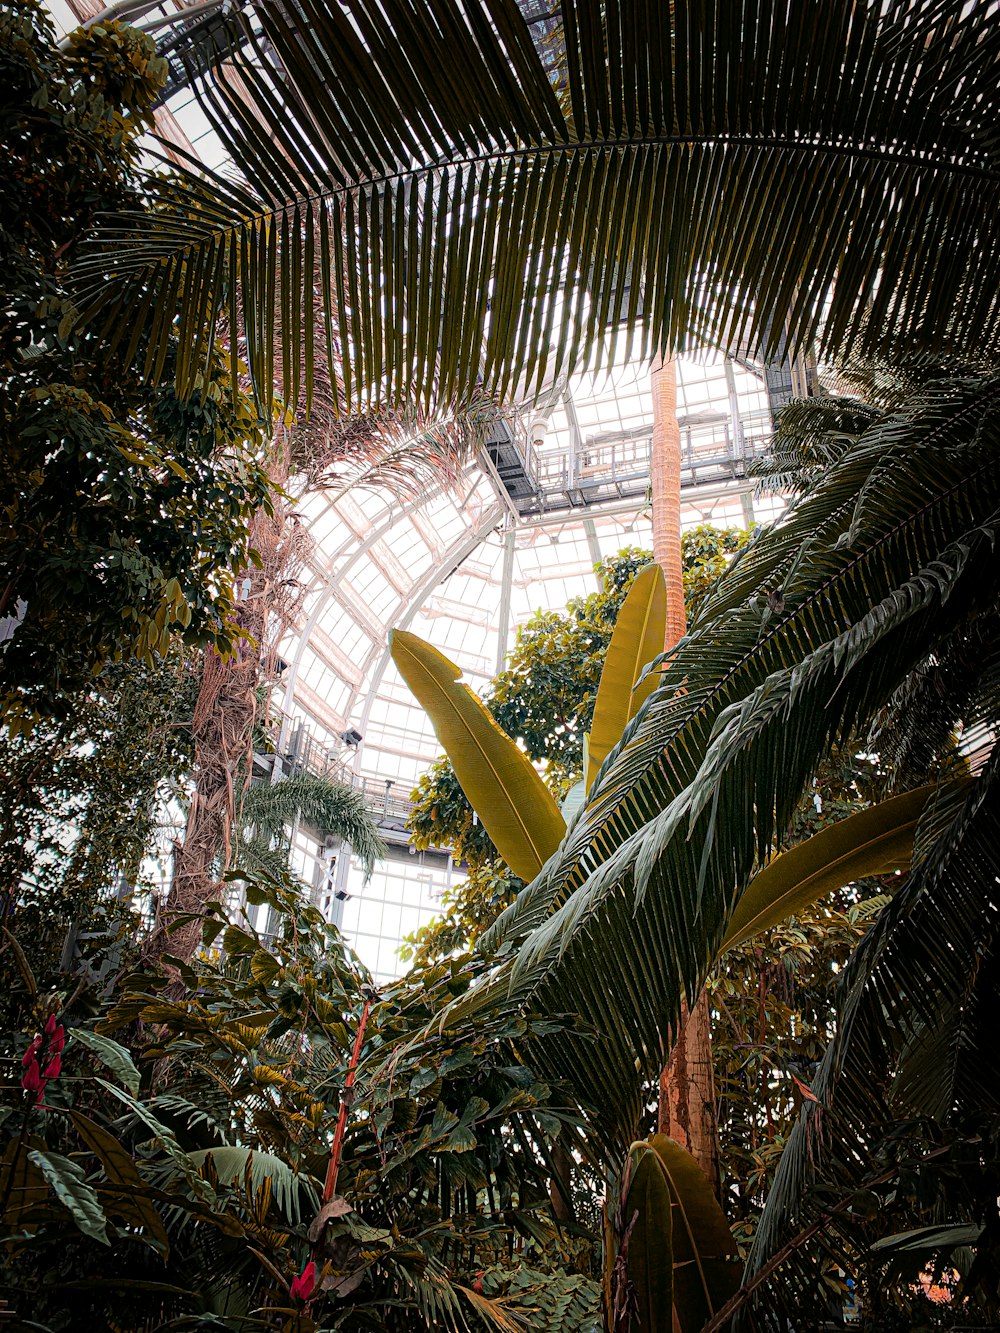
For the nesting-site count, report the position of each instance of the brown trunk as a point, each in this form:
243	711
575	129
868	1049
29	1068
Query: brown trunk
687	1084
665	483
223	723
561	1185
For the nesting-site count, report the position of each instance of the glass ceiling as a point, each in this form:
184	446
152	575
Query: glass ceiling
463	566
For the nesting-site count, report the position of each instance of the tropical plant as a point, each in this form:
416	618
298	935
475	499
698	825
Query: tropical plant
674	1255
544	698
517	810
524	822
330	808
226	1133
486	221
847	185
867	611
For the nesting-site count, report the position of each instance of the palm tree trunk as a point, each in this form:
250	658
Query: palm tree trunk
687	1083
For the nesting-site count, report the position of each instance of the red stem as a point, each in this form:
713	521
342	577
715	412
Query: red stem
333	1167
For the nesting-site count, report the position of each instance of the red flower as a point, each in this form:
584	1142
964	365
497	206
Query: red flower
302	1286
47	1046
32	1081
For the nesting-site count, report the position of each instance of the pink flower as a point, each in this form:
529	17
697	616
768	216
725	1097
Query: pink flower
50	1025
53	1067
302	1286
31	1053
57	1041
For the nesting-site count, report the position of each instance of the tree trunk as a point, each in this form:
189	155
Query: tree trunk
687	1084
223	724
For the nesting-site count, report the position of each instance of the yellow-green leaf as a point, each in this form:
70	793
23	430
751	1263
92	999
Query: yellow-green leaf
513	803
637	639
876	841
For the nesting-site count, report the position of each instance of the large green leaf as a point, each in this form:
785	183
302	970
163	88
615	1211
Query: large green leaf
681	1253
647	1210
670	173
706	1269
637	639
876	841
69	1181
330	807
942	1238
808	636
130	1196
110	1053
513	803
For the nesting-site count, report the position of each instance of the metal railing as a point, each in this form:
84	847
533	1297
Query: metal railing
616	467
303	752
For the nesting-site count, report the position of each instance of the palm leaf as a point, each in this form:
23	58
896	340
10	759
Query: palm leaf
871	574
516	808
687	172
294	1195
329	807
923	982
637	639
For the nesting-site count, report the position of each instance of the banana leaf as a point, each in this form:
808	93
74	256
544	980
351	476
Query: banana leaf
637	639
647	1210
876	841
705	1267
513	803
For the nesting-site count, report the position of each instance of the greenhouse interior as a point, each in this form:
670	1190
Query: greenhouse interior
500	666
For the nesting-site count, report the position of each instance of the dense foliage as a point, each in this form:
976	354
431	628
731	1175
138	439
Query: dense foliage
81	797
187	1142
124	509
827	170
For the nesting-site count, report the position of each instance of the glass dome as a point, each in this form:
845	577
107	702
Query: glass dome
463	564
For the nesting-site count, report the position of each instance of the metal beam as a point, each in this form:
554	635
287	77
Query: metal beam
453	556
506	584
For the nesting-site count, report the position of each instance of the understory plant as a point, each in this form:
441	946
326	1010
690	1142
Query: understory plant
181	1155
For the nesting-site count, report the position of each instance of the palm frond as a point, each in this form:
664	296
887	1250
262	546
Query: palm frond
259	857
917	726
329	807
403	451
294	1195
431	203
804	640
915	1034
